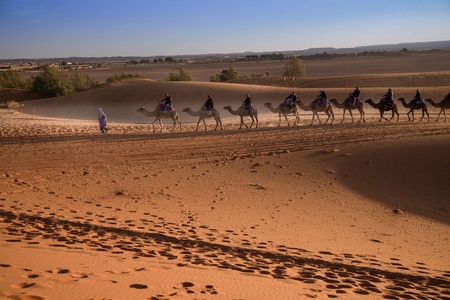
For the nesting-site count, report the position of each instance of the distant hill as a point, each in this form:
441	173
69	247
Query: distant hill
434	45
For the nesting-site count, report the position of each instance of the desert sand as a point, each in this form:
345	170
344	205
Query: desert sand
343	210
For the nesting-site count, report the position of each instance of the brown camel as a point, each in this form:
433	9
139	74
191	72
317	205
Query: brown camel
282	109
414	105
242	111
348	105
316	108
204	113
383	107
173	114
443	105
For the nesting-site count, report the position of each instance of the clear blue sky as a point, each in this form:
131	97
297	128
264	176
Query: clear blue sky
64	28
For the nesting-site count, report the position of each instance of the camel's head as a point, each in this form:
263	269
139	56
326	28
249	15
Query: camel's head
227	107
401	99
267	104
185	109
140	109
368	100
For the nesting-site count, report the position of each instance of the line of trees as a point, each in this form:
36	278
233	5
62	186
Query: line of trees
52	82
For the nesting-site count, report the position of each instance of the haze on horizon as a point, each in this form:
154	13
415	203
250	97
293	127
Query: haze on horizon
102	28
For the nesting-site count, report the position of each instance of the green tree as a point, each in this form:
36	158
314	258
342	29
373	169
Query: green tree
51	83
82	81
294	68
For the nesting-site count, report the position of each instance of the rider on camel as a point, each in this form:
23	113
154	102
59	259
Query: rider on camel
355	96
248	104
209	104
290	100
322	98
166	104
388	98
418	98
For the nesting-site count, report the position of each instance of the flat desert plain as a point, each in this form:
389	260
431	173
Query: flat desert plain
348	210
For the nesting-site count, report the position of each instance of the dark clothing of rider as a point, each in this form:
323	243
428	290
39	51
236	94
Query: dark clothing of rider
389	97
418	97
166	103
209	104
322	98
247	102
168	100
290	100
355	95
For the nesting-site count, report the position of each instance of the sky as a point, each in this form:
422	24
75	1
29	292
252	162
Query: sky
99	28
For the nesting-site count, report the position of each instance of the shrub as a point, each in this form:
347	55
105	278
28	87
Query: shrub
82	82
294	68
182	75
229	74
11	105
120	76
10	79
52	83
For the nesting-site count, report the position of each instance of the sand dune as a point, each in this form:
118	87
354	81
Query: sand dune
348	210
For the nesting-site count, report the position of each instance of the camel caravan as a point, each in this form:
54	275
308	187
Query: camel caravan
291	106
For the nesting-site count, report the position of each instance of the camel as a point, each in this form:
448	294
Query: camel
443	105
348	105
282	109
202	114
413	105
382	108
173	114
242	111
316	108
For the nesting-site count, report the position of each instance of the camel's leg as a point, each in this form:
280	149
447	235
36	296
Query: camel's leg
329	116
242	123
445	116
343	115
287	120
179	121
196	129
398	115
392	116
312	121
351	115
153	124
439	114
297	119
174	125
362	113
256	118
204	123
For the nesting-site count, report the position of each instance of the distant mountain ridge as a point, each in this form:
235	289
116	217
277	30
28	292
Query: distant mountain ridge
417	46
